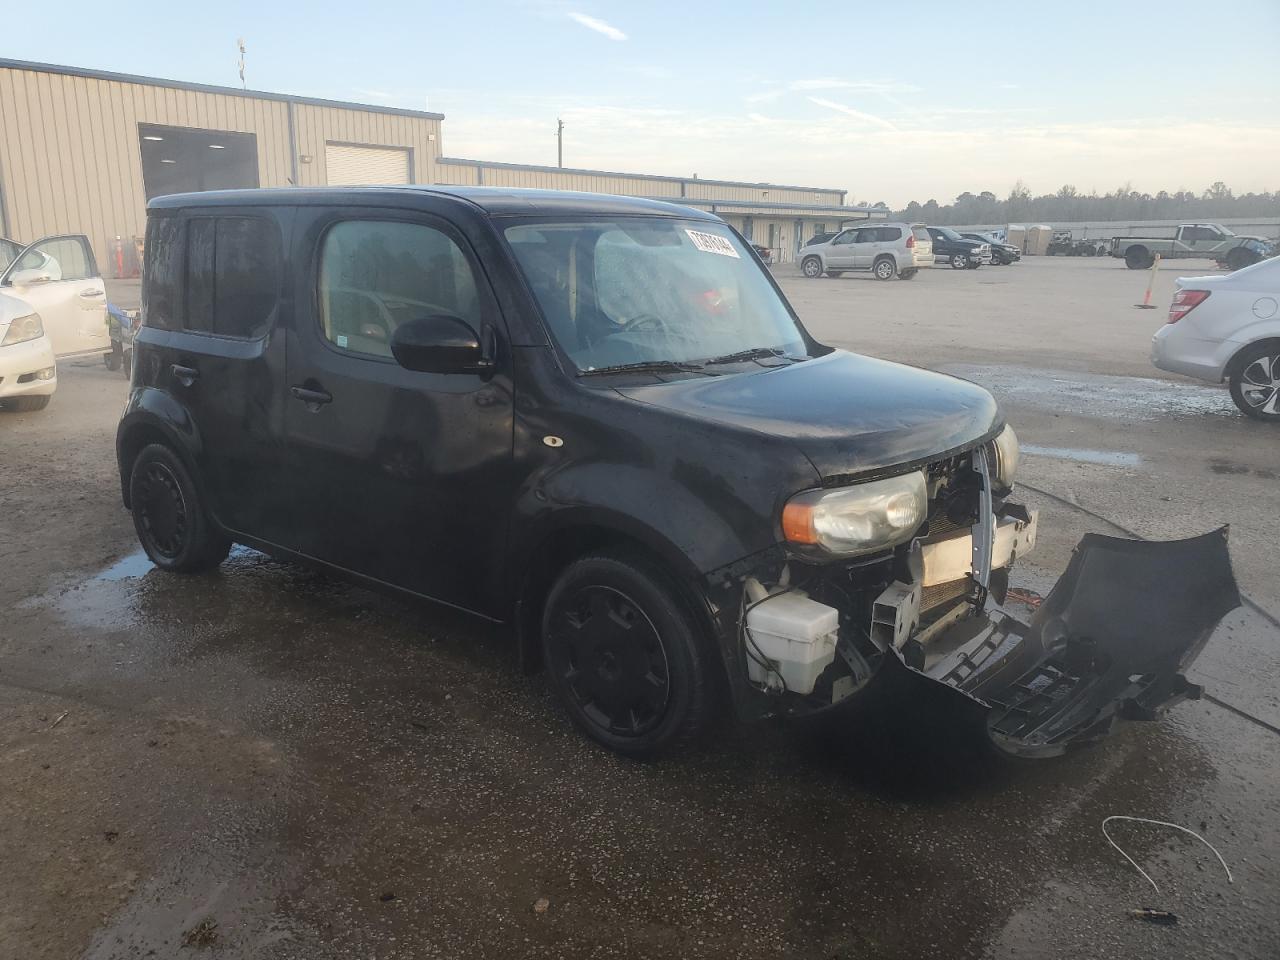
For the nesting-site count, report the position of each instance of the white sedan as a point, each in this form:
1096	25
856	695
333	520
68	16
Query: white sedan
59	278
1227	327
28	374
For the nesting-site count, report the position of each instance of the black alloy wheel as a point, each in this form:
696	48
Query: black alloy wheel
168	514
160	509
611	660
624	655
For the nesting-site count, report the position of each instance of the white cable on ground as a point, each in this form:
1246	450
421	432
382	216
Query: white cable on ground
1160	823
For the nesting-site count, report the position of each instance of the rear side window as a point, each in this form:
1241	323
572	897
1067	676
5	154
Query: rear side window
233	275
163	261
375	275
889	234
218	275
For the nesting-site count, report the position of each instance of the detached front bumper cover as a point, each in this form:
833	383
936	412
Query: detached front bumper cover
1109	642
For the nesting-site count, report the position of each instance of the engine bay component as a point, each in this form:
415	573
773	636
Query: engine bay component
794	636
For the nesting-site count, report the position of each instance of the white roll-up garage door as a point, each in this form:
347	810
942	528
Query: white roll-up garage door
352	166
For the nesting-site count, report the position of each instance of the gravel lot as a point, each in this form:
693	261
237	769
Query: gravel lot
265	763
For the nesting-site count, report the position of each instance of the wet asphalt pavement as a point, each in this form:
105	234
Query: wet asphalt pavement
265	762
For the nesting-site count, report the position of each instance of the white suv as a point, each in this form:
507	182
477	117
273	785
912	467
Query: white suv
888	250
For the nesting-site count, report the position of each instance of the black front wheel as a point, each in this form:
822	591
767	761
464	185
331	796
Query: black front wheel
169	516
625	655
811	267
959	261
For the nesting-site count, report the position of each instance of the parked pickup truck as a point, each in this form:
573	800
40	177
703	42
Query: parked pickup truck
1206	241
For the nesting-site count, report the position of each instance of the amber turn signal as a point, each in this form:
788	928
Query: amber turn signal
797	523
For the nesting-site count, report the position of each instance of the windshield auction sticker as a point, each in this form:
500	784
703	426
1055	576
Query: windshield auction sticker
712	243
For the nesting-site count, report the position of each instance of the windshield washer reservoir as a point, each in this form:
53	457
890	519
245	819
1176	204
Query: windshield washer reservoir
797	635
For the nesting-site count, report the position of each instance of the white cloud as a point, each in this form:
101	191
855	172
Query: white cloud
872	160
599	26
867	86
849	111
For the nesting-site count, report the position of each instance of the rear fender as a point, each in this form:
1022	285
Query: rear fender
153	415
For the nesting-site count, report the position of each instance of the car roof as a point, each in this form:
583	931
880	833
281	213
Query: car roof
495	201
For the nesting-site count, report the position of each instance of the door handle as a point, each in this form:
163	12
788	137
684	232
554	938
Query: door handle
314	399
185	375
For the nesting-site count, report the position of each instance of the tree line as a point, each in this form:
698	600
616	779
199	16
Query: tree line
1217	202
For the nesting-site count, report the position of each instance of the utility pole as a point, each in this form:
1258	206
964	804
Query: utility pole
559	142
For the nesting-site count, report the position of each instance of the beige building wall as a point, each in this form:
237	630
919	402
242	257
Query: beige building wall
473	172
70	159
314	126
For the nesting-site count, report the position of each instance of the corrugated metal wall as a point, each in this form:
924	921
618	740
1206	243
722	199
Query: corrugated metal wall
471	172
315	126
70	159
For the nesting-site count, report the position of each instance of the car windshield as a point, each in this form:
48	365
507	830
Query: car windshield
651	291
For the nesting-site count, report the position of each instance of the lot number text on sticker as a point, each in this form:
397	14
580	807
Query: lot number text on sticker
711	243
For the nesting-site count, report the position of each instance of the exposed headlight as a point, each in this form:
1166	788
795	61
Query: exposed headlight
1006	446
859	519
23	329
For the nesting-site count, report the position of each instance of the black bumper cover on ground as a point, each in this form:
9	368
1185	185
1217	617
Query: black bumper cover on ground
1109	642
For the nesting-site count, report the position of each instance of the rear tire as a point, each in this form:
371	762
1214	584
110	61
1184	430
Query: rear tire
27	404
1239	258
1255	384
884	269
625	655
169	516
1138	258
811	267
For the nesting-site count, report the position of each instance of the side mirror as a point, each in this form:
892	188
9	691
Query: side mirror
30	277
439	344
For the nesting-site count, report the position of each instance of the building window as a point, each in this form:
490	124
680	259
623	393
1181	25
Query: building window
187	160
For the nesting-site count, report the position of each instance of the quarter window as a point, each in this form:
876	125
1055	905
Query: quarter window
233	275
376	275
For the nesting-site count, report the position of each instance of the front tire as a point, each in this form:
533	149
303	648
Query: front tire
811	267
1255	384
959	261
625	655
169	515
884	269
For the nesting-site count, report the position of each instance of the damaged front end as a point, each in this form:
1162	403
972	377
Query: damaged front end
1110	641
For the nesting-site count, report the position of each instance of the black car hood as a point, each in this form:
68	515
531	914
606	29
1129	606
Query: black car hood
848	414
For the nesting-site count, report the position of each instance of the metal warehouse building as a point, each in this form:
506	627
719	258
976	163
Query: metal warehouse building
81	151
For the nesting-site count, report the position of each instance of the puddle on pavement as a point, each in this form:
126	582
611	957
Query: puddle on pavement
1107	458
1097	395
126	568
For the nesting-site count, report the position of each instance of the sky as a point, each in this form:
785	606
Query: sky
892	102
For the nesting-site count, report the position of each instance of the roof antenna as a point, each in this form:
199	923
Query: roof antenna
240	62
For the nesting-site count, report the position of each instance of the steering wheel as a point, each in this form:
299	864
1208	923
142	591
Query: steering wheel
642	321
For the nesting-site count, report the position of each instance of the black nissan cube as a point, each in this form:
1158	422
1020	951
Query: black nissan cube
596	420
